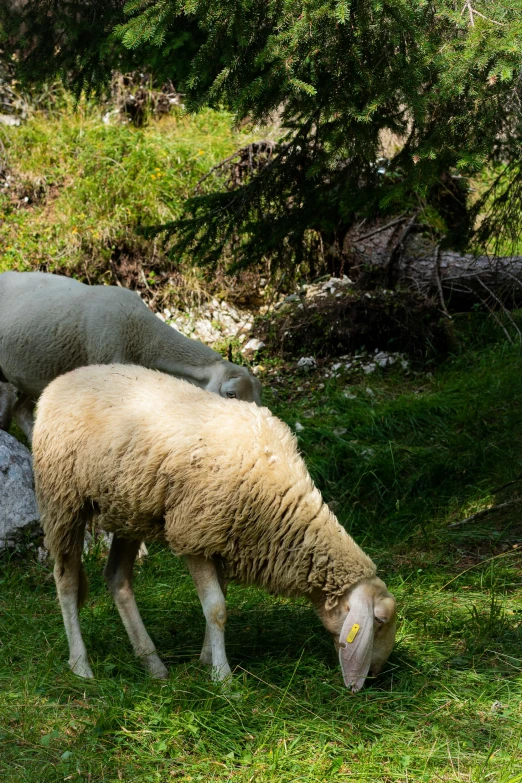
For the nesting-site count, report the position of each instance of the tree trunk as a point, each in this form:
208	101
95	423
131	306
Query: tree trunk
417	264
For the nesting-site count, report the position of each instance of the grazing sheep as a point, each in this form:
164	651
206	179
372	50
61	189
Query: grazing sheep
50	324
222	484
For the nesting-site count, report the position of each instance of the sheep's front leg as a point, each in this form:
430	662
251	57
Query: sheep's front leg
118	576
67	576
206	578
23	415
7	402
206	651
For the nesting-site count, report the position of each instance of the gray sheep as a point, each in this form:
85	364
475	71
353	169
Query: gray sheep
50	324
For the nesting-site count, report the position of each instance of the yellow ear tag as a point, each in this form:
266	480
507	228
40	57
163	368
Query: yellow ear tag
353	633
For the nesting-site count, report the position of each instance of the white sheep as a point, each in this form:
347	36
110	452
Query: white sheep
222	484
50	324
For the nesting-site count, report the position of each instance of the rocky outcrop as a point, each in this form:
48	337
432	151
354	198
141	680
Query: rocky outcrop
211	322
18	507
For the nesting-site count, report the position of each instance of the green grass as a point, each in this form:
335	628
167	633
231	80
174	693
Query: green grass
418	448
91	187
419	454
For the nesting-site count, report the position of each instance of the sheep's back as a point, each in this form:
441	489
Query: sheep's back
139	446
160	458
50	324
39	335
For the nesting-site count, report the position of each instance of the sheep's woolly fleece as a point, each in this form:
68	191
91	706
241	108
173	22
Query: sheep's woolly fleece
157	458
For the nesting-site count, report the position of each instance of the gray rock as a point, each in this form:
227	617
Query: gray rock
307	362
253	345
7	119
17	499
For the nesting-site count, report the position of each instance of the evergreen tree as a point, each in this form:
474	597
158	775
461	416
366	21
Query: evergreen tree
443	77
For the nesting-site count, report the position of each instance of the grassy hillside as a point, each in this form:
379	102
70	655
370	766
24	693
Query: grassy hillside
401	455
77	191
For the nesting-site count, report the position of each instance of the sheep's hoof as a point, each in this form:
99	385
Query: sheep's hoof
230	688
221	673
160	674
222	676
156	669
206	657
82	669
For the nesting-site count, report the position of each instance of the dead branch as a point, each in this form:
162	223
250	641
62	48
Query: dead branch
496	319
439	283
467	5
217	167
247	158
399	244
144	279
507	484
382	228
515	279
501	305
115	274
485	512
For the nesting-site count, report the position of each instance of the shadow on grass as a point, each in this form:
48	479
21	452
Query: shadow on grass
450	693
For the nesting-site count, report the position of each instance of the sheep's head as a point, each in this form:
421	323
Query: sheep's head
363	624
235	382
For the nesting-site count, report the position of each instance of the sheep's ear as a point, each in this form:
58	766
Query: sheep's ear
356	640
331	602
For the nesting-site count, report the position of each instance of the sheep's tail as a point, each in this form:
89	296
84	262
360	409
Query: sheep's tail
83	587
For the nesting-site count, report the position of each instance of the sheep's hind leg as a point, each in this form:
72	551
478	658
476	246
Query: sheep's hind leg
68	577
206	650
118	576
206	578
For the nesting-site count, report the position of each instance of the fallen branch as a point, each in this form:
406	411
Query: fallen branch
144	280
382	228
485	512
515	280
258	147
217	167
496	319
398	244
507	484
115	274
464	279
467	5
487	18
